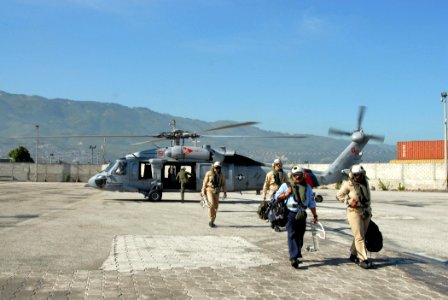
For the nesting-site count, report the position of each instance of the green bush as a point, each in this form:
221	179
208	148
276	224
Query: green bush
67	177
383	186
338	185
401	187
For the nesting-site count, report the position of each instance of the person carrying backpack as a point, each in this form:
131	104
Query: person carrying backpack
272	182
274	179
355	193
298	196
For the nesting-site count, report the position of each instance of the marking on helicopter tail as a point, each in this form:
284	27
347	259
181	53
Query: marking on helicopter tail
355	151
139	252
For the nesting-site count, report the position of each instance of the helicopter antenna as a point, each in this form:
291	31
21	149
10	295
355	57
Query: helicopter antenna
173	124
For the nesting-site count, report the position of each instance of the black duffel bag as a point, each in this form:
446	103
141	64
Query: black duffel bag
373	238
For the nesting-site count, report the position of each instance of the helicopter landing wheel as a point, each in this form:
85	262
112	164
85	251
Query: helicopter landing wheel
155	196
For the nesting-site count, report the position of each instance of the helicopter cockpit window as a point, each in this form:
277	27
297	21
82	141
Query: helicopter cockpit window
119	168
109	167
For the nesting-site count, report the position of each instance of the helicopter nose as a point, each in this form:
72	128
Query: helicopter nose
97	181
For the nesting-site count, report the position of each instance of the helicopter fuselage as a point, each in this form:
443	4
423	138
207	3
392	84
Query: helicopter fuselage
151	172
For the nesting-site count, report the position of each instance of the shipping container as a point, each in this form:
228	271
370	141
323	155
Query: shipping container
418	150
417	161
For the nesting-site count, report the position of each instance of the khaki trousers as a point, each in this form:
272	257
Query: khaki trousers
359	229
213	203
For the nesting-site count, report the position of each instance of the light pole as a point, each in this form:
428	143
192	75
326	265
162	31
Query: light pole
37	147
92	147
443	100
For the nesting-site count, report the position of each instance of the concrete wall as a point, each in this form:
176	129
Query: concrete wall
48	172
413	176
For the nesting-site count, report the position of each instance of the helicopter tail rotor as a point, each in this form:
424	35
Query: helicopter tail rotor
362	110
334	131
358	135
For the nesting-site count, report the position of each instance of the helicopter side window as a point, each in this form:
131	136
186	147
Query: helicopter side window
145	170
120	168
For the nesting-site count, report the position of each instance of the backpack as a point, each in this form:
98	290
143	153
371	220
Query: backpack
262	210
277	212
373	238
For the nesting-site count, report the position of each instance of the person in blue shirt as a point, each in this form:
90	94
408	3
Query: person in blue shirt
298	196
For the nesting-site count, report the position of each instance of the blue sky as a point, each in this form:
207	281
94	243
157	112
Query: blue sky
294	66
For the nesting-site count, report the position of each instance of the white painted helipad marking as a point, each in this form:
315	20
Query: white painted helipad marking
138	252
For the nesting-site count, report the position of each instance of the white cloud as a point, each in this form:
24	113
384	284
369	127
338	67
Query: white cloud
311	24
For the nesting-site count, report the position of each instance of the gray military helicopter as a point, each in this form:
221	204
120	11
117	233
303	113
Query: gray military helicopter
150	172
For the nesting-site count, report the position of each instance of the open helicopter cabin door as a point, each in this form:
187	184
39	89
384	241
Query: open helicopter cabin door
169	175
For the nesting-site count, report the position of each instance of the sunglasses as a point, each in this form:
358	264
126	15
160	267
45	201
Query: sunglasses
297	175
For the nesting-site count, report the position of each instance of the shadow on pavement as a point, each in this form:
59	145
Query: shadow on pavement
378	263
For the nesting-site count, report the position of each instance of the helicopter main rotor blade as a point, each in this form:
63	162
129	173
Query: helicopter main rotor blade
232	126
83	136
257	136
148	142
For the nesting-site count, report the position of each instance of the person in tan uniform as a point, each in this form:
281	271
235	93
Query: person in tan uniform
355	193
214	182
274	179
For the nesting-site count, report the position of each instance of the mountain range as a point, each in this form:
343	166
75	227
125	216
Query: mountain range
19	115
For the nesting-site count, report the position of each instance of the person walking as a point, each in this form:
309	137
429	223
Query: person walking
272	182
355	193
298	196
214	182
182	177
274	179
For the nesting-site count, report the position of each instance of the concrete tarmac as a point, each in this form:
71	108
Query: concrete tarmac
65	241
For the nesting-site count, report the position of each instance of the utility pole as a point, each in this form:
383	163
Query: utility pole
92	147
443	100
37	149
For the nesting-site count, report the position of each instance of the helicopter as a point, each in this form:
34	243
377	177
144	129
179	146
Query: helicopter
151	172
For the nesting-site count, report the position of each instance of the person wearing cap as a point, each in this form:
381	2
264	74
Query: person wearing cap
274	178
355	193
214	182
298	196
182	177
